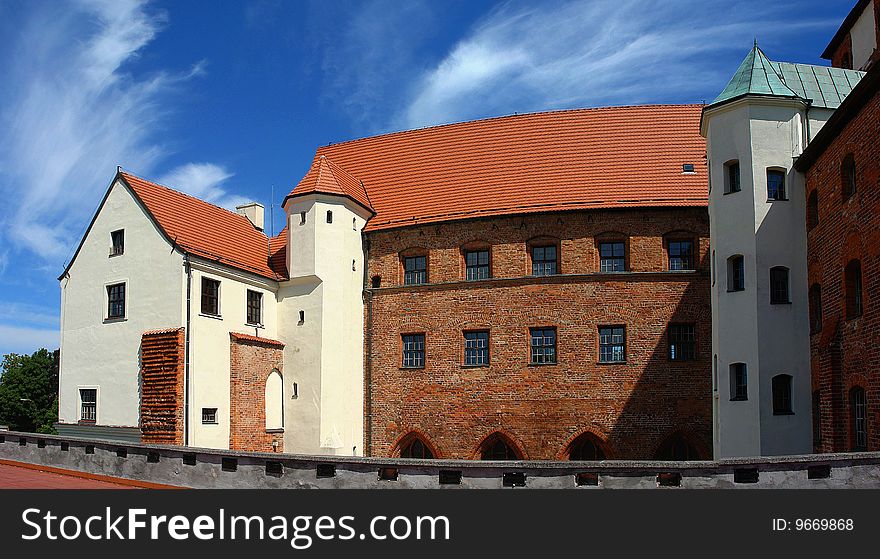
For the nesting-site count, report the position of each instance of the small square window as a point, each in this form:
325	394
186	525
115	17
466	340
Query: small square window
413	351
117	242
687	168
210	297
543	345
415	270
612	257
476	348
544	260
116	301
477	265
681	255
612	344
209	416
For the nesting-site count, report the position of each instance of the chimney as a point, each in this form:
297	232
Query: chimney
253	211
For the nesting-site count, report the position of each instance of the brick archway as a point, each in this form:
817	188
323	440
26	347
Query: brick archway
408	437
587	435
499	436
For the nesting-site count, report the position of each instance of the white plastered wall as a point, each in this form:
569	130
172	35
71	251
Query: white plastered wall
864	37
106	354
324	353
209	345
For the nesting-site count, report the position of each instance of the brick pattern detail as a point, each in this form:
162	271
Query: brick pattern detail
162	376
632	408
251	361
843	51
846	353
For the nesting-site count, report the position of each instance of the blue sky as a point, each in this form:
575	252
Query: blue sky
226	99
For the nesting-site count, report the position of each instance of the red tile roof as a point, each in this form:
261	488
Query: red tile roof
576	159
326	177
208	231
256	339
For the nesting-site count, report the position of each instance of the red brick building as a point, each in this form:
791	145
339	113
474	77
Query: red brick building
537	286
842	170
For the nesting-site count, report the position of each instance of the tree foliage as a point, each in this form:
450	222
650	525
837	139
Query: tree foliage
29	391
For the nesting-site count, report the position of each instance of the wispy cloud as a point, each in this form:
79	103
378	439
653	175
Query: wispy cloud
523	57
19	339
76	111
205	181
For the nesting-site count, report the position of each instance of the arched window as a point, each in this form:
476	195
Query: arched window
415	447
848	176
781	385
731	177
853	285
736	273
739	382
678	448
815	308
274	401
776	185
497	447
859	403
585	447
779	285
813	209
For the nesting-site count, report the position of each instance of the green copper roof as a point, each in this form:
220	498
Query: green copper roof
825	87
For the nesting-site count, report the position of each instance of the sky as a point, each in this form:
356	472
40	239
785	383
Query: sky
229	100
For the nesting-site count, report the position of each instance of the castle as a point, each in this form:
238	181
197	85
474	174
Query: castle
611	283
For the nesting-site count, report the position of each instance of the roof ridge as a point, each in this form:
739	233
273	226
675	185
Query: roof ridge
196	198
331	164
501	117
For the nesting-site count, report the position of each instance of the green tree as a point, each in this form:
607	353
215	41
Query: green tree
29	391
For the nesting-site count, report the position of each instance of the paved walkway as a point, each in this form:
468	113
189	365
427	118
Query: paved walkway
16	477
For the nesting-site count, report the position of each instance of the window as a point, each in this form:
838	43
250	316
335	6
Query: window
682	342
477	264
414	351
681	255
817	419
848	177
776	185
781	385
612	257
544	260
612	344
585	448
779	285
88	398
859	404
209	416
116	301
476	348
731	177
302	218
376	282
815	308
853	283
739	382
117	242
543	345
677	448
812	209
497	448
415	270
254	307
210	297
687	168
416	449
736	273
329	216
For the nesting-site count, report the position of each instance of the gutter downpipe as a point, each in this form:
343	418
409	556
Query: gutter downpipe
368	368
186	351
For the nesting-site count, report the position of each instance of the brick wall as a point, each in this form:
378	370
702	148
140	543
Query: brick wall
252	359
162	372
846	353
842	57
630	408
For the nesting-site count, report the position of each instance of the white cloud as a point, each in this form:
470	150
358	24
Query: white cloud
75	113
203	180
588	53
26	340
